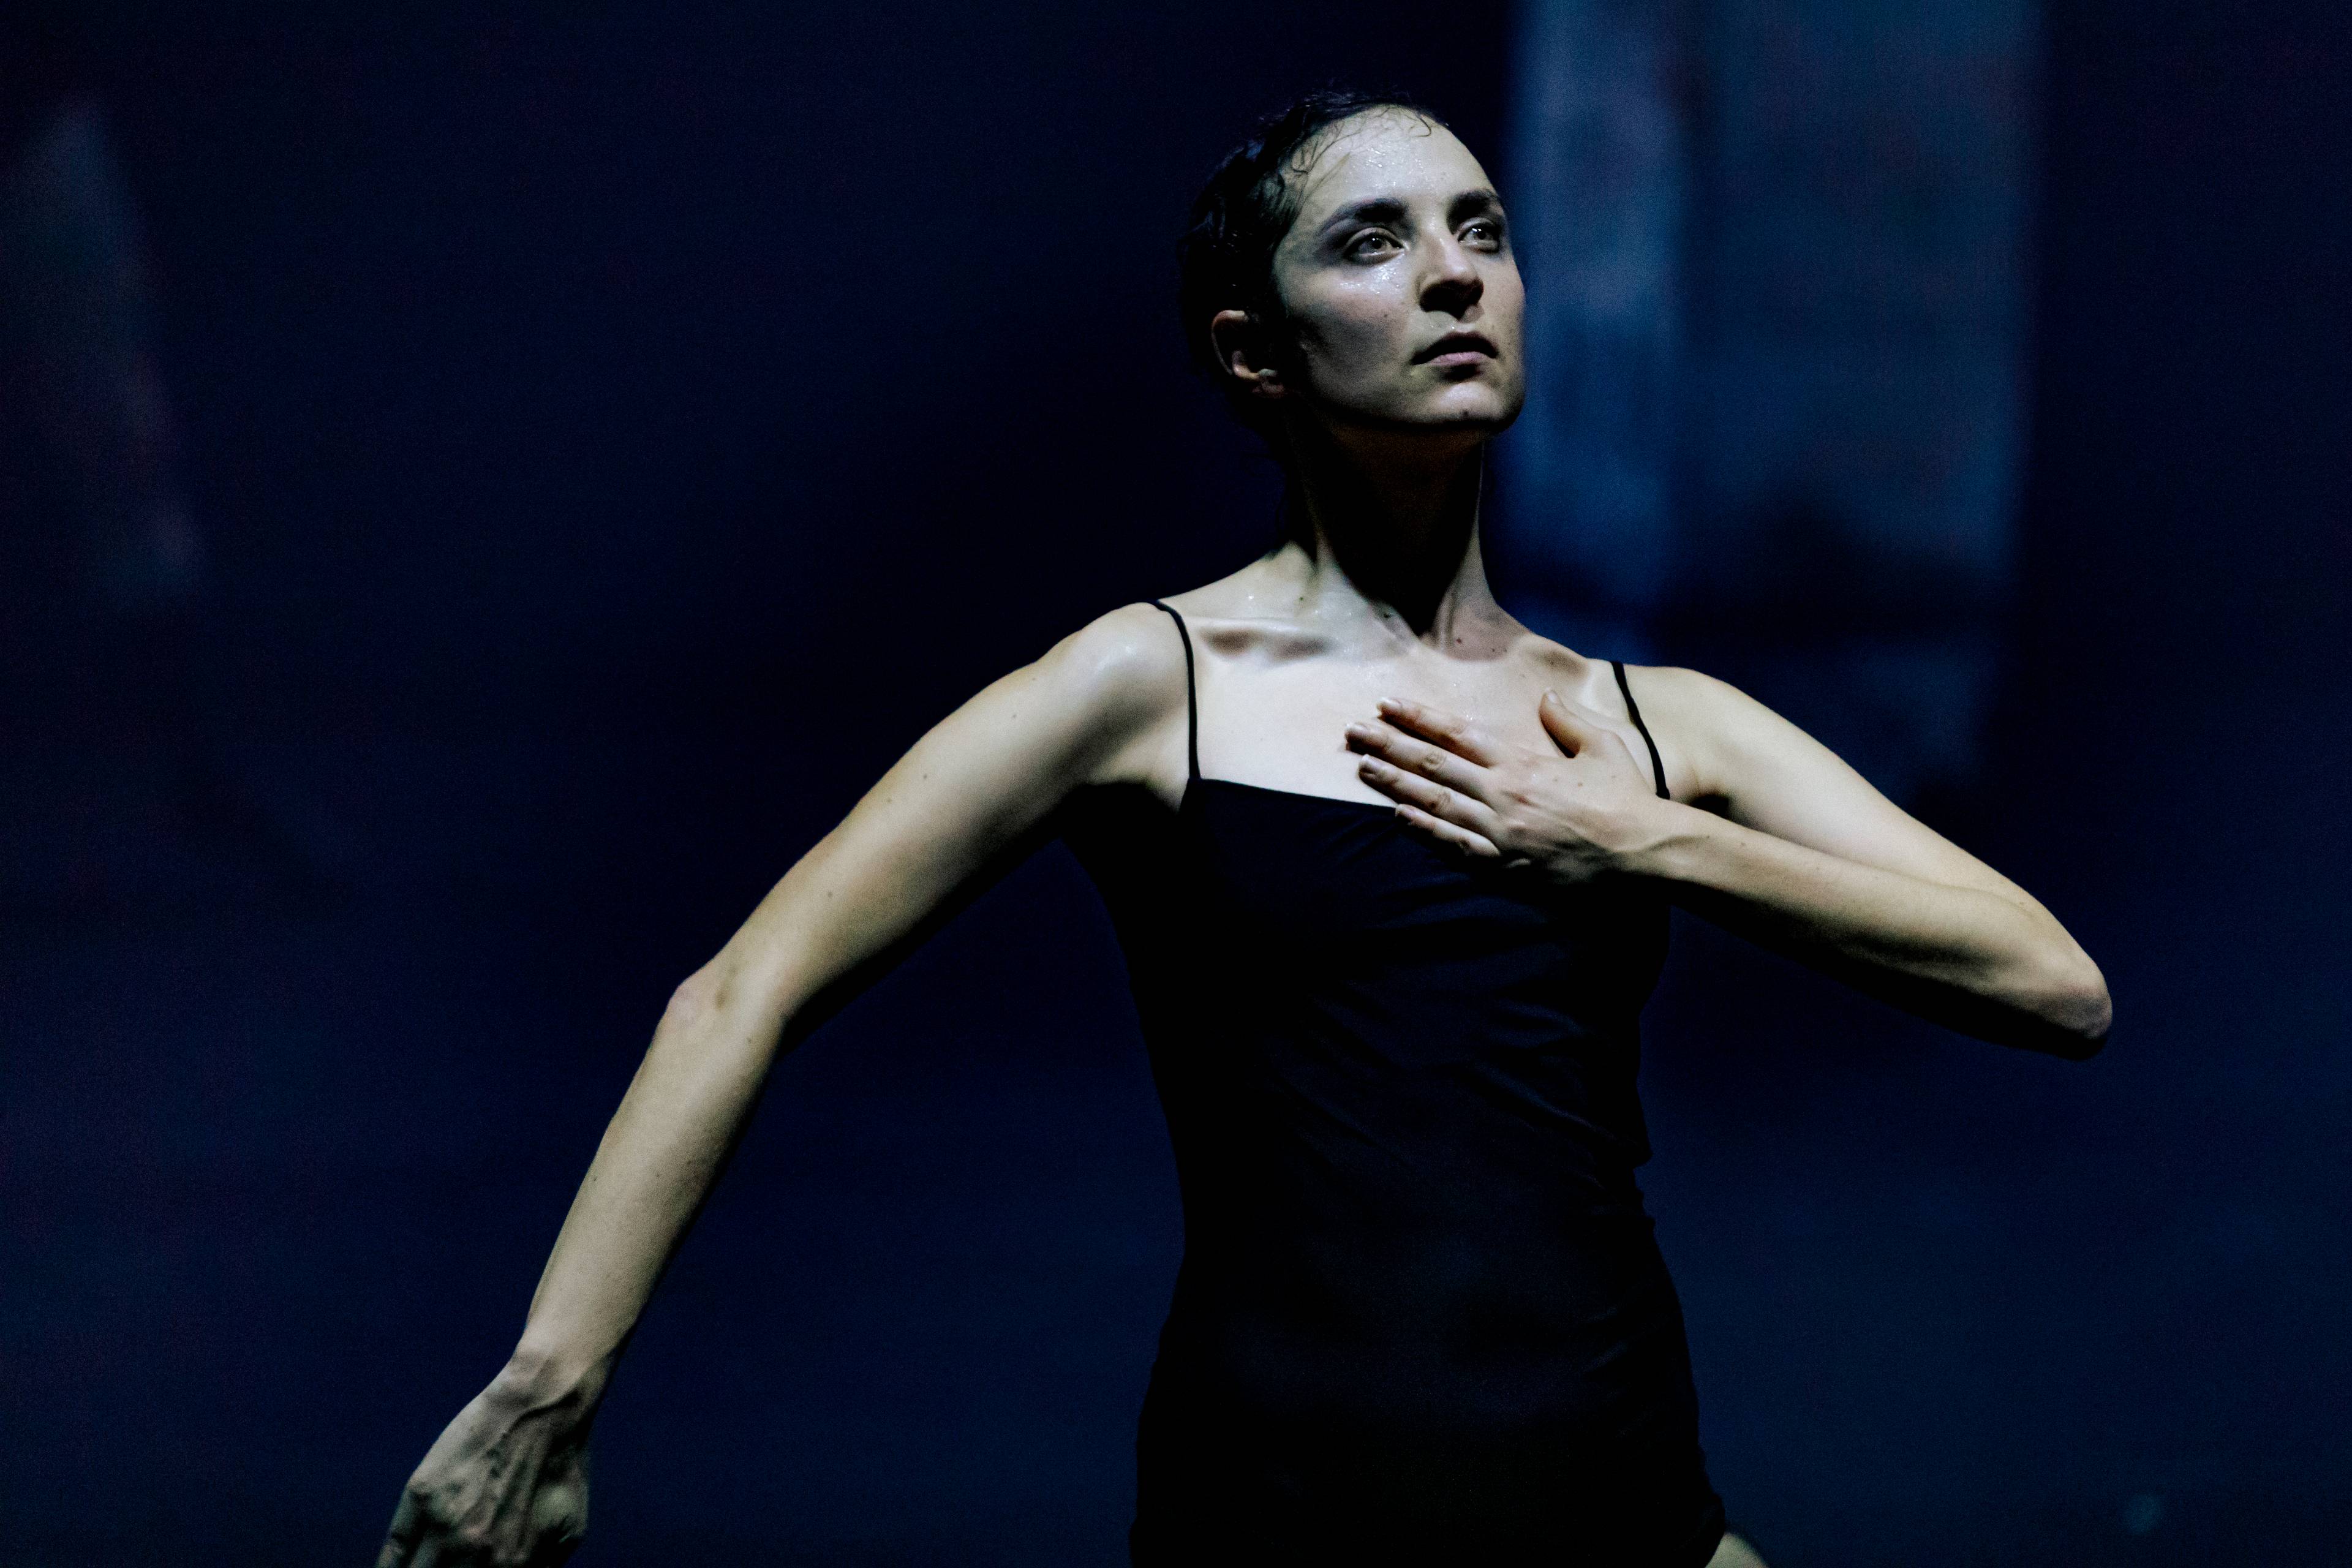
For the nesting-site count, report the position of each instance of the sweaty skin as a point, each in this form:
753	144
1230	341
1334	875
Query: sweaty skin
1367	660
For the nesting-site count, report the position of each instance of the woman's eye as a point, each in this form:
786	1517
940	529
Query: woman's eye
1372	243
1486	230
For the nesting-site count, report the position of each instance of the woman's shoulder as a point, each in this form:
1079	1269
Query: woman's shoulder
1108	699
1720	733
1243	593
1125	662
1691	716
1694	702
1137	655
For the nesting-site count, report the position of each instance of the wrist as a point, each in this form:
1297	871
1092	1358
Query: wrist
1657	838
543	1376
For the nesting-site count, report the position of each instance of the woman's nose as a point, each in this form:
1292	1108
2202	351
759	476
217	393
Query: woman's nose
1453	283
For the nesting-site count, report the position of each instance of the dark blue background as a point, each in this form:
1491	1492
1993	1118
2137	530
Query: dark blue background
618	436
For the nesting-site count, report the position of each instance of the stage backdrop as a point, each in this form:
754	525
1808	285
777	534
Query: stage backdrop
1777	327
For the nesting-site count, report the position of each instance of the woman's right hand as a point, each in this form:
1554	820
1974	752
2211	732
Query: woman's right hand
506	1484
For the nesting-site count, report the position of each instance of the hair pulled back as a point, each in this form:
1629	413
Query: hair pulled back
1225	259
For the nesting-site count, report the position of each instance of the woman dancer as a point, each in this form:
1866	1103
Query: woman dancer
1392	873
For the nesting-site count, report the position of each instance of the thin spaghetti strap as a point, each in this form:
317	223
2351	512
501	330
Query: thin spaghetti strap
1192	698
1634	712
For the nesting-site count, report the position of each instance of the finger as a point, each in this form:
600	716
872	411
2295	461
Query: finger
1603	732
1573	728
1460	839
1450	731
405	1519
558	1524
1428	796
560	1513
1401	750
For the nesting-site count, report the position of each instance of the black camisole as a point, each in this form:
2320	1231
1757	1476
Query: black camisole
1421	1315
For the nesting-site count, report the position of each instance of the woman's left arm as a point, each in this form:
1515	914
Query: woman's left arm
1799	852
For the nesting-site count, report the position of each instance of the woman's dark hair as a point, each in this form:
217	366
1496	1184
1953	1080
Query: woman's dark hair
1226	261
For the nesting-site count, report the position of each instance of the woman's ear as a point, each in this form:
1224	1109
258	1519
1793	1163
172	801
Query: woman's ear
1240	341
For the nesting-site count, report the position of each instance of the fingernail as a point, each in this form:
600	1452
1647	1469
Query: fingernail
1550	694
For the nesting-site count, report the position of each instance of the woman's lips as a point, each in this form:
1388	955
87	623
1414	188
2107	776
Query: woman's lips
1456	348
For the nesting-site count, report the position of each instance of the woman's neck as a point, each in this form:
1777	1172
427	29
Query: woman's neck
1395	540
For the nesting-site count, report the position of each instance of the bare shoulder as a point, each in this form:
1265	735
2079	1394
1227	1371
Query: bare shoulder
1766	773
1121	676
1717	731
1712	711
1248	615
1129	659
1696	704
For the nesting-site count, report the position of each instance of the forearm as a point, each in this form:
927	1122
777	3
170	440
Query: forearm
507	1480
828	928
924	837
1968	958
660	1156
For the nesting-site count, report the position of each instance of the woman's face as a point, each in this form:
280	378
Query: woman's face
1400	284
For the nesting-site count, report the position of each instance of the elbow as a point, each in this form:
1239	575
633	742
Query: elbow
728	998
2084	1033
696	998
706	997
2076	1008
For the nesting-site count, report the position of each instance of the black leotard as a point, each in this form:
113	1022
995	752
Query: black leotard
1421	1315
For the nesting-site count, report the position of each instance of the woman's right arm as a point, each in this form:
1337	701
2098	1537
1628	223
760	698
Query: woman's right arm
506	1482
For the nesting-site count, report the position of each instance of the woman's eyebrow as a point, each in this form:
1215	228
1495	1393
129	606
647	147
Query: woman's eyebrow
1469	204
1373	209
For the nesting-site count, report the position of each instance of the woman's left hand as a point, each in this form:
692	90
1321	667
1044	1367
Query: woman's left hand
1580	810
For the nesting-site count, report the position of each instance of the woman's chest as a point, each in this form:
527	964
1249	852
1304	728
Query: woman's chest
1282	724
1269	877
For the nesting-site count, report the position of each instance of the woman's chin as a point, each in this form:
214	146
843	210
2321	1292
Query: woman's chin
1454	416
1469	419
1482	404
